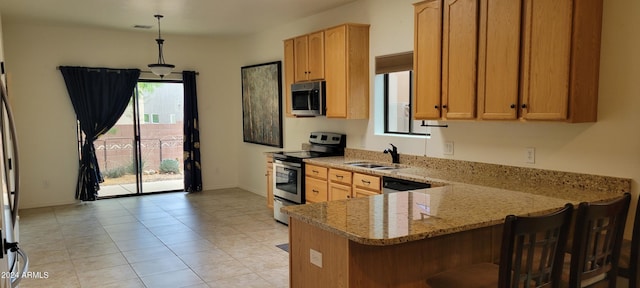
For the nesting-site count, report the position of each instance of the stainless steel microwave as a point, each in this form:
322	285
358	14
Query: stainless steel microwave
308	98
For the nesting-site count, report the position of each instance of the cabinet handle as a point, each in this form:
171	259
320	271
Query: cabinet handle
444	106
315	191
266	174
524	106
366	182
339	176
513	106
315	171
348	196
436	107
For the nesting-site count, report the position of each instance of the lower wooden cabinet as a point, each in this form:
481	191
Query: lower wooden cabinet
328	184
339	184
366	185
315	185
269	175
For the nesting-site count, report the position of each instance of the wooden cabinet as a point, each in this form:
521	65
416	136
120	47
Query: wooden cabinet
289	72
445	59
560	60
499	59
347	71
366	185
315	185
534	60
459	59
309	57
269	176
339	184
427	59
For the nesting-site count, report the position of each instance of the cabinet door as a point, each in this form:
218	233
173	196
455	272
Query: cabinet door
499	59
269	176
336	74
546	59
289	73
315	59
427	59
459	52
301	56
339	191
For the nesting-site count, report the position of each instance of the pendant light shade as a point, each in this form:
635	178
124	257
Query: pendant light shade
161	68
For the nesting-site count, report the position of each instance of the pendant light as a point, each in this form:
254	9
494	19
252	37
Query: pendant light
161	69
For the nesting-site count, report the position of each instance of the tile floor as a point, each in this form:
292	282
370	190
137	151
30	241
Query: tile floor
222	238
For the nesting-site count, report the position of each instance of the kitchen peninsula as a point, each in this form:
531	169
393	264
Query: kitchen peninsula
398	239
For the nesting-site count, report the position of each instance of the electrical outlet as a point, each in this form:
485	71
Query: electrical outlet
530	155
315	257
448	148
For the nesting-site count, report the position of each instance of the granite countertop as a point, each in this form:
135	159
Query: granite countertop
450	207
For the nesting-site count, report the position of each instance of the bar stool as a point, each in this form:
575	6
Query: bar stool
597	238
629	254
531	255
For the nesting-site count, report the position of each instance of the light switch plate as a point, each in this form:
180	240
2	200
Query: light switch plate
315	257
530	156
448	148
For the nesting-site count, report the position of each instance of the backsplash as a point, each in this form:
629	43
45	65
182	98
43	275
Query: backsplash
502	176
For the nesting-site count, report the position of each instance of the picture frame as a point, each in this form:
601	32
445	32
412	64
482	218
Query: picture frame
261	104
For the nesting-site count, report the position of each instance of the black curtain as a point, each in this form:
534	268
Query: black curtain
99	97
192	173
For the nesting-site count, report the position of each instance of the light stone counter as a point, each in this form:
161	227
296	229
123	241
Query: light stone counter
451	207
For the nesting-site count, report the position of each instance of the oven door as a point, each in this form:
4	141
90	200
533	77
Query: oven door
287	179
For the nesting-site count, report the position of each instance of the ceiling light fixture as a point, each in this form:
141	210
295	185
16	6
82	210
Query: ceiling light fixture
161	69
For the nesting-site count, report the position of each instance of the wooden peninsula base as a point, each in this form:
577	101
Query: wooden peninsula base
345	263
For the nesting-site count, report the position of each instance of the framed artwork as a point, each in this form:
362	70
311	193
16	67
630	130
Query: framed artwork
261	109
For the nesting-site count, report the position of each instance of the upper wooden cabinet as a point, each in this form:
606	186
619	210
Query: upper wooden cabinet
459	59
561	60
309	57
347	71
499	59
427	59
340	56
289	72
536	60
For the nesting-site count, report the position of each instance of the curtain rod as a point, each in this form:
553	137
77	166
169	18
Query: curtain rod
197	73
141	71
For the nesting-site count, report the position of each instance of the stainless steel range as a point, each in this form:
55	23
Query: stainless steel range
288	168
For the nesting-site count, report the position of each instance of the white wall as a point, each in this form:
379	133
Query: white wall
45	118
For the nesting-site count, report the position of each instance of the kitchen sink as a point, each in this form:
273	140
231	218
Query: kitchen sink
375	166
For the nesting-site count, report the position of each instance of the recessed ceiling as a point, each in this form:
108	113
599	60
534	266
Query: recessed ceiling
191	17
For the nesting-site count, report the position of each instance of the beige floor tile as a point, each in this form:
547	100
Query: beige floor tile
222	238
163	265
182	278
210	257
243	281
221	270
99	262
95	278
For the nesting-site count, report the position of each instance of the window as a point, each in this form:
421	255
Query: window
397	85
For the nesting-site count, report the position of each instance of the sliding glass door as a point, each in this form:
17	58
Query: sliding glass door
142	153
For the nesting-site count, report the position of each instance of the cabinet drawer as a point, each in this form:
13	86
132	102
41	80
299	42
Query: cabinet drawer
315	171
315	190
340	176
368	182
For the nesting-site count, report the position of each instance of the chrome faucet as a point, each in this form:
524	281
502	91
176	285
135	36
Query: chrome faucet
394	153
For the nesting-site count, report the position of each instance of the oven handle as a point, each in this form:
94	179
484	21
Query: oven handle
287	164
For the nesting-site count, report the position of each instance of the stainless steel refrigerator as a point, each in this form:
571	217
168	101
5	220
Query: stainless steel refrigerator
14	263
